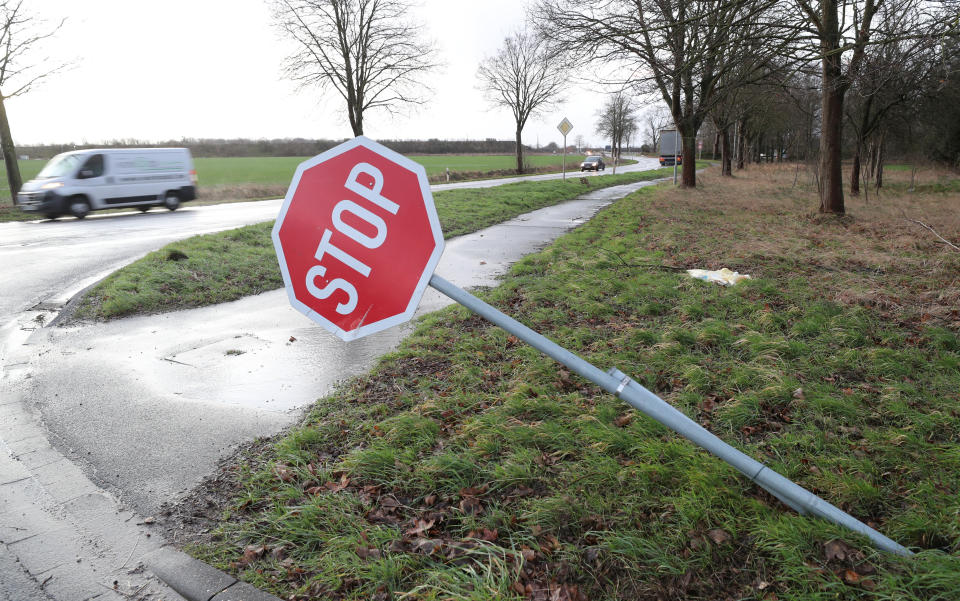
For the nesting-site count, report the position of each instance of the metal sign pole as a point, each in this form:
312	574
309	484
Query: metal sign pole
622	386
565	127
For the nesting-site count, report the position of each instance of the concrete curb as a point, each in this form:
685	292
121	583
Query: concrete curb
197	581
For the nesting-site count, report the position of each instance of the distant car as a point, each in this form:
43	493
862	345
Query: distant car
592	164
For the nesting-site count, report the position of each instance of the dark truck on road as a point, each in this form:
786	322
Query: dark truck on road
671	148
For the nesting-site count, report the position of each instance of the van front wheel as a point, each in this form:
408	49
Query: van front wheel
171	201
79	207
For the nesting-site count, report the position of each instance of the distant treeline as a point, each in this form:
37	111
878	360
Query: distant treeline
296	147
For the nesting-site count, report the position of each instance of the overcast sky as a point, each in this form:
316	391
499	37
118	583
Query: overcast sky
162	70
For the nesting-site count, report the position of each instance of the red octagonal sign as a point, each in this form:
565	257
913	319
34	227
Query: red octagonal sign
358	238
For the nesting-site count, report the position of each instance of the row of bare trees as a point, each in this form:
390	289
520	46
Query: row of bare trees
617	122
708	59
280	147
369	53
729	62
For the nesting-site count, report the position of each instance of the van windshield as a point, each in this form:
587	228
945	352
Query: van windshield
60	165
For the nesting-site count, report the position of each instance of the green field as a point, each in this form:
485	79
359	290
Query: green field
279	170
28	170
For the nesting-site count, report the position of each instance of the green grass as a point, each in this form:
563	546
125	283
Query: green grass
468	466
279	170
436	164
225	266
246	178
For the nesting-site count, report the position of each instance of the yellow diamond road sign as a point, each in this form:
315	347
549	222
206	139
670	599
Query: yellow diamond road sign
565	127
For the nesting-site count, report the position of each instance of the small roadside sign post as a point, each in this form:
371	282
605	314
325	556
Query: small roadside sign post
358	240
565	126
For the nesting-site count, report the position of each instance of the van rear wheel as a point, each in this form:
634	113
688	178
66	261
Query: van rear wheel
79	207
171	201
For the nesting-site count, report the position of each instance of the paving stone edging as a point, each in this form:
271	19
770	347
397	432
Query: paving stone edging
197	581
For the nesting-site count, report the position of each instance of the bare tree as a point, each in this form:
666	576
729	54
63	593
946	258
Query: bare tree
21	69
654	120
617	121
680	50
931	129
896	74
839	33
526	76
367	51
738	87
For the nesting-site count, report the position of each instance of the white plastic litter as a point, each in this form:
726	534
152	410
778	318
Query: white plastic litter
724	276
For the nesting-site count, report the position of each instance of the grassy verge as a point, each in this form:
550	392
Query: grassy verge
468	466
225	266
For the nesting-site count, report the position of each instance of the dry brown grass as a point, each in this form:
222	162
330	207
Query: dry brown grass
231	192
875	255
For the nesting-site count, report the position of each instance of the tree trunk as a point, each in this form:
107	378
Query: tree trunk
716	146
831	176
689	135
855	173
869	161
519	152
613	154
878	166
831	114
9	154
355	117
726	161
741	144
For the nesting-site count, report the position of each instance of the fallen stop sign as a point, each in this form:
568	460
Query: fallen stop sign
358	238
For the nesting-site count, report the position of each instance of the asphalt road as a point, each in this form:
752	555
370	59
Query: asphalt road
42	261
143	408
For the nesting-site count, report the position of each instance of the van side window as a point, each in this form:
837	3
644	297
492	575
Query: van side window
93	167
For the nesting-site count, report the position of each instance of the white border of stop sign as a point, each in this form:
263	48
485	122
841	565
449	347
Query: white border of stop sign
325	250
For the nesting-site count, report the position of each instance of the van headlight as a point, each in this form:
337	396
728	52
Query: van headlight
51	186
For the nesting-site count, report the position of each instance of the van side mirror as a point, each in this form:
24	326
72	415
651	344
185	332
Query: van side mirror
85	173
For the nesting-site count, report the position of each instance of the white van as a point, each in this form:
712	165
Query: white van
81	181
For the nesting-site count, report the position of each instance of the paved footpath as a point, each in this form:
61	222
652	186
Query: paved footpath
71	540
74	515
